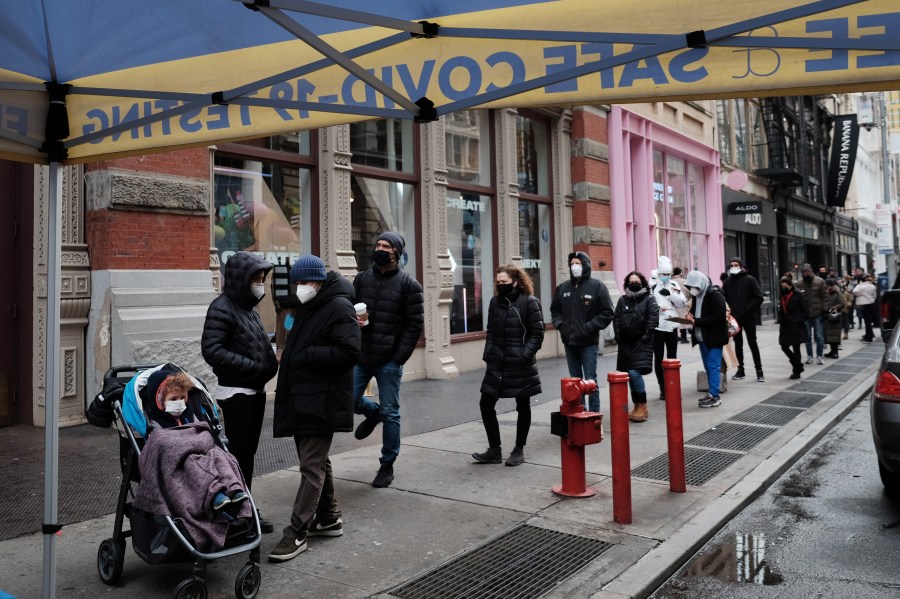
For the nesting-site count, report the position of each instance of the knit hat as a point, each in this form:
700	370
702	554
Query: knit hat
830	281
395	239
308	268
738	260
664	265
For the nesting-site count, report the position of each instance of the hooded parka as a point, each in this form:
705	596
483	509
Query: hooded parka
581	307
315	383
234	341
637	315
515	332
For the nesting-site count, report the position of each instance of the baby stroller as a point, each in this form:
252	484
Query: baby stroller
160	538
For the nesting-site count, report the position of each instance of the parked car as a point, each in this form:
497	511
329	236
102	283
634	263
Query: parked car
885	415
889	312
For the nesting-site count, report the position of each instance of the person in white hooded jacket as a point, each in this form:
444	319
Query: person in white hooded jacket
670	299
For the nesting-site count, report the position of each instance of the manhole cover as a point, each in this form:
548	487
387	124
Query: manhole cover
814	387
700	465
794	400
728	435
525	562
761	414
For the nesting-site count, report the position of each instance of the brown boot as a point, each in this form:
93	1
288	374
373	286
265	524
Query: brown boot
639	413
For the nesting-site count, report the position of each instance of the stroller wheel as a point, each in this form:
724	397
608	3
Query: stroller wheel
248	580
190	588
110	559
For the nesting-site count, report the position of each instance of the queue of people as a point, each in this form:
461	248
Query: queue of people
343	335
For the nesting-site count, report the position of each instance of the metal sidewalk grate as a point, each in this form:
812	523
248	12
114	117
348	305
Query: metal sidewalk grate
700	465
760	414
794	400
728	435
814	387
858	361
837	377
849	369
525	562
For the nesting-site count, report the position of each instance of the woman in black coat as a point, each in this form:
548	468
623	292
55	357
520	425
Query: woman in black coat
515	332
792	331
635	319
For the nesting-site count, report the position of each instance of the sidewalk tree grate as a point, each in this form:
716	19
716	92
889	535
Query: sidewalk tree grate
791	399
837	377
527	561
728	435
814	387
700	465
773	415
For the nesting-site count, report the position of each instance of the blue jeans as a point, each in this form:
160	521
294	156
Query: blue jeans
815	327
712	363
582	362
636	383
388	379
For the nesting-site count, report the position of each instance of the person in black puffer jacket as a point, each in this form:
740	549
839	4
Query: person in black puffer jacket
236	345
744	299
314	398
515	332
635	320
396	316
580	309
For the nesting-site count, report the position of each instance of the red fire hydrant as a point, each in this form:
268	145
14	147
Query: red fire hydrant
576	428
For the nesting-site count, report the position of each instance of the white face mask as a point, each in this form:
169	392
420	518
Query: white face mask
176	407
306	293
258	290
664	279
576	270
734	270
694	291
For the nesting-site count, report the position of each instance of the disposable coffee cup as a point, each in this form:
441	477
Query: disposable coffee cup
361	314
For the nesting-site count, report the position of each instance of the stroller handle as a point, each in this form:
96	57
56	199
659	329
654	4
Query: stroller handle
116	370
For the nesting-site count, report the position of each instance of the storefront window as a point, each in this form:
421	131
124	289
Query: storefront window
532	152
741	149
697	198
467	141
534	245
377	206
383	143
295	143
679	204
659	194
261	207
470	240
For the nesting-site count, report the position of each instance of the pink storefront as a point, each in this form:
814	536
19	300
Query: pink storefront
665	198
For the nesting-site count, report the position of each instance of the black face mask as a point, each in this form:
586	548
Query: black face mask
807	278
505	288
785	290
381	257
635	287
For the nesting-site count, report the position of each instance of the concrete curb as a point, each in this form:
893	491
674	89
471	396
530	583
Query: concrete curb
648	573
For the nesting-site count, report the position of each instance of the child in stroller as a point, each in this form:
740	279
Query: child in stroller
184	473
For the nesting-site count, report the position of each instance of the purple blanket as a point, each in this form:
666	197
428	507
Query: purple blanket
182	469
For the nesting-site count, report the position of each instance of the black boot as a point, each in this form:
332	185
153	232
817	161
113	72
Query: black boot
492	455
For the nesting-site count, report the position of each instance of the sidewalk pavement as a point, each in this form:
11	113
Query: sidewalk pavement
445	510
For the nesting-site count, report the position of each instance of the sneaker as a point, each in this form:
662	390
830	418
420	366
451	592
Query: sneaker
820	360
794	376
710	401
325	528
516	457
809	359
760	377
385	476
739	375
265	526
220	501
492	455
238	496
287	549
366	427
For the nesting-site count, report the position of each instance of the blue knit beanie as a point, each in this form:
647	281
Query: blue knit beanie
308	268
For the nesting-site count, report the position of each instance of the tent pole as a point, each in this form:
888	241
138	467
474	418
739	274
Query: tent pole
51	387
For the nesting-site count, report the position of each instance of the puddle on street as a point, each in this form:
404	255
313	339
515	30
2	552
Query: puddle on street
743	560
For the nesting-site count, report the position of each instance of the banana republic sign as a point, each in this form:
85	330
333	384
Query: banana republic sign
843	157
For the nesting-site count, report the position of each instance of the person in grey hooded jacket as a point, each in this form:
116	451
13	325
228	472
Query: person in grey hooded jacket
580	309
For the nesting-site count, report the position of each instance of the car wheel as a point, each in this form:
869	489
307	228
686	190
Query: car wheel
890	480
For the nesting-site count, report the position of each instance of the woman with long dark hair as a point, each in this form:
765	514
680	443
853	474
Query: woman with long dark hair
515	332
636	318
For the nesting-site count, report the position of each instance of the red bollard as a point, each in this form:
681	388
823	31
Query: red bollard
576	429
620	449
674	425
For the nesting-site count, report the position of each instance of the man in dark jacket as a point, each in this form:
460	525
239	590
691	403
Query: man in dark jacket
395	314
580	309
236	345
813	289
744	298
314	398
